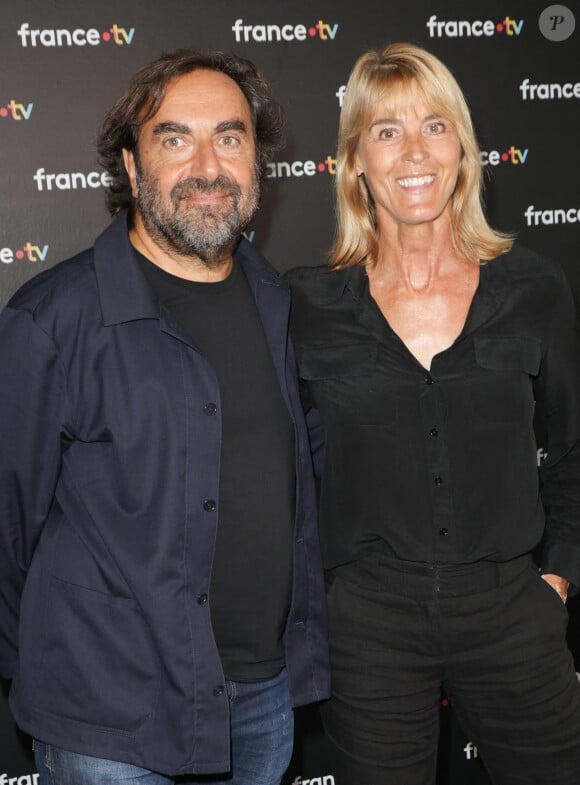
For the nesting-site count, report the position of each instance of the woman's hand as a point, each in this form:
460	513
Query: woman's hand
560	585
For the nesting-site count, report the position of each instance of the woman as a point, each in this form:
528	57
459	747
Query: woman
425	352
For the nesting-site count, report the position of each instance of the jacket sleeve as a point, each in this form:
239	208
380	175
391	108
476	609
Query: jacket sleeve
32	399
557	391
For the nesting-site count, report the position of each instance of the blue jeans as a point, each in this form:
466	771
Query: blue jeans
262	733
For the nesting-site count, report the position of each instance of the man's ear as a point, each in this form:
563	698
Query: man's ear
131	167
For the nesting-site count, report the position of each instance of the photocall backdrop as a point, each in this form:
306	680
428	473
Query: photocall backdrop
64	62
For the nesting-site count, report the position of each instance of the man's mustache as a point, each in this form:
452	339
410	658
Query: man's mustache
201	185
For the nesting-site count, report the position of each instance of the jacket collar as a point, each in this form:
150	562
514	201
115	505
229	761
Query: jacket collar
124	293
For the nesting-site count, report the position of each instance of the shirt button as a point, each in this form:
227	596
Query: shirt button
433	432
438	481
429	380
443	532
202	599
219	690
209	505
210	408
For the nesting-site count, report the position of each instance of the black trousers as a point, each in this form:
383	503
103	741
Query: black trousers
491	635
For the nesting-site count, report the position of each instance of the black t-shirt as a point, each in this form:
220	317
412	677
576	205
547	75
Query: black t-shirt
252	568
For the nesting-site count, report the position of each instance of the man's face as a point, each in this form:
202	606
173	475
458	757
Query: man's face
194	178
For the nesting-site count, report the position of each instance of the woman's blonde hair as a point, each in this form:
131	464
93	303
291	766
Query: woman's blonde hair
374	75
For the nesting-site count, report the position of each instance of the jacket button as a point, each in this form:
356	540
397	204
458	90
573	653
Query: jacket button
438	481
210	408
202	599
217	691
443	532
209	505
429	380
434	432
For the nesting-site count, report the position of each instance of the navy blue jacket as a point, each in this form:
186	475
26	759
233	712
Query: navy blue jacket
109	469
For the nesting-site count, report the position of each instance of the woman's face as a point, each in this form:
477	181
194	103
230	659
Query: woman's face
410	161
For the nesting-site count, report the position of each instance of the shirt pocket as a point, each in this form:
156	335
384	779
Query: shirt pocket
347	385
502	391
337	362
508	354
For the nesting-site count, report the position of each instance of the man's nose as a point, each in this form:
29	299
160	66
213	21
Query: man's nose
205	161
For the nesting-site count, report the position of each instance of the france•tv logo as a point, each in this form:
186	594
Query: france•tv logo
513	155
282	169
460	28
79	37
16	111
325	31
28	252
24	779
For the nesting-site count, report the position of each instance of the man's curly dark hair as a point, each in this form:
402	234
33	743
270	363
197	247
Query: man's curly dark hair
122	124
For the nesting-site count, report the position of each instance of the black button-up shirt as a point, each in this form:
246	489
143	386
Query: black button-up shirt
440	465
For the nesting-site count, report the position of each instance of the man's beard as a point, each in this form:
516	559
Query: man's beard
207	231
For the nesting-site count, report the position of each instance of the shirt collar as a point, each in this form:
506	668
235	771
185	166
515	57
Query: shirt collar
494	284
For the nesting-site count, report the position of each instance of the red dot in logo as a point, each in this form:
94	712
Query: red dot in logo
321	167
504	157
19	254
3	112
499	27
311	32
106	36
444	702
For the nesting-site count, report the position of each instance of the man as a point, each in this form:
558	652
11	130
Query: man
161	585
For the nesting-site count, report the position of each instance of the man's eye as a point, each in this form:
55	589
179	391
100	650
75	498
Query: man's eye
173	142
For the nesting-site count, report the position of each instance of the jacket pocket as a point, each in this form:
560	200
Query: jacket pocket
99	666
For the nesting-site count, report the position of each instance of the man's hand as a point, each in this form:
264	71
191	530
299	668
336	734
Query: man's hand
560	585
